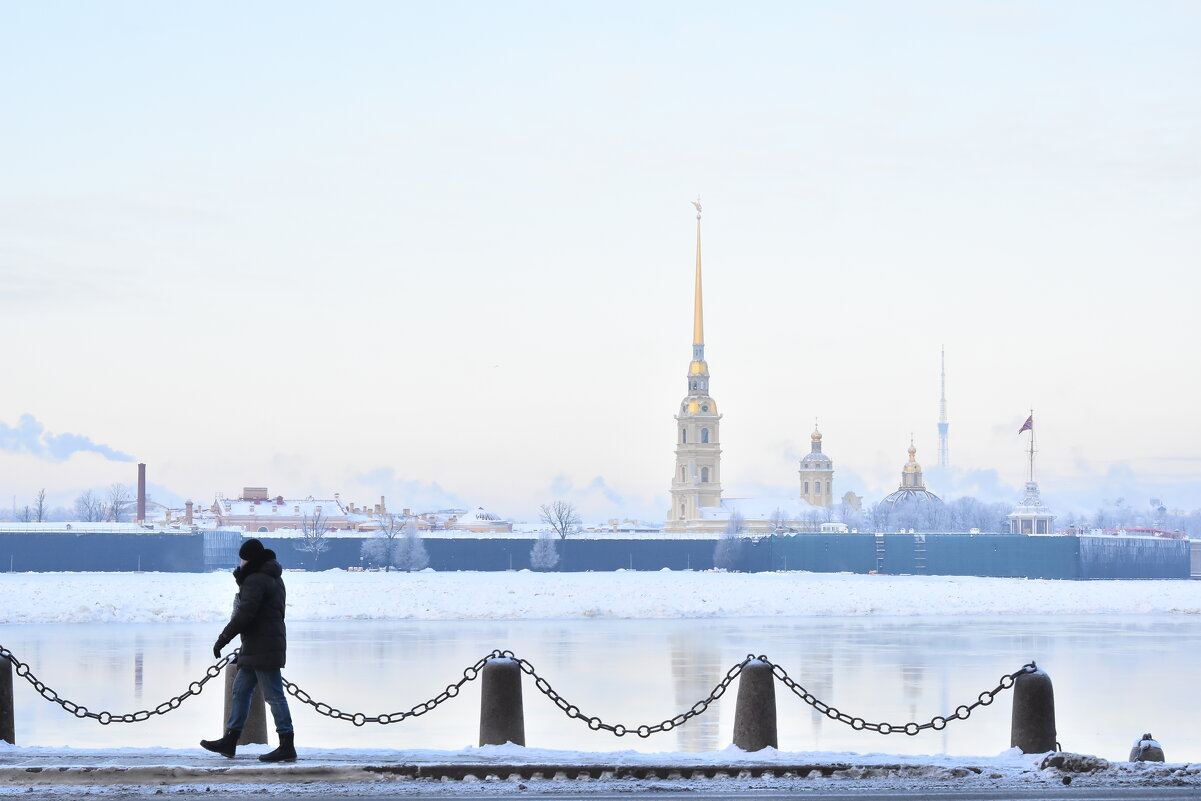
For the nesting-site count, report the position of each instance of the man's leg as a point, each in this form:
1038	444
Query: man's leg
239	709
239	705
273	693
276	698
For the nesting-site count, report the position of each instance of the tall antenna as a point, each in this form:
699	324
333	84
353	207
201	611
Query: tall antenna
944	459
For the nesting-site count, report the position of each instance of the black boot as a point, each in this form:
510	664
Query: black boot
285	753
226	746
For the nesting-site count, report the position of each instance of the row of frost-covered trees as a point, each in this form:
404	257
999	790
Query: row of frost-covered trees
113	504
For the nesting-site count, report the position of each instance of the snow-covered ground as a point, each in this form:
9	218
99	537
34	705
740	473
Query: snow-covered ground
342	595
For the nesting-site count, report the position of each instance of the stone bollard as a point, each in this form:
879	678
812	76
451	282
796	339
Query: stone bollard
1033	726
8	726
1146	749
755	714
255	730
502	716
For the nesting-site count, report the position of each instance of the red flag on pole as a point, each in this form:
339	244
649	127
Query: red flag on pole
1028	425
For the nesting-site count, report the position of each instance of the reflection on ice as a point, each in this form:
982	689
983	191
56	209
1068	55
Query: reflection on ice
637	672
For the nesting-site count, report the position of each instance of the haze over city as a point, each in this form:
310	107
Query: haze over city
444	253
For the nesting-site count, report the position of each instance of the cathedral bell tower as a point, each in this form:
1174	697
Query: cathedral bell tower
817	474
696	482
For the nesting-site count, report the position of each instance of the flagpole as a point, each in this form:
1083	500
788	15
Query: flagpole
1032	448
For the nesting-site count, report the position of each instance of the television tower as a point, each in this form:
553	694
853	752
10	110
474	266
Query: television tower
944	460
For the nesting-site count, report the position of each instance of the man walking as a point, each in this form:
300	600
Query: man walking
259	618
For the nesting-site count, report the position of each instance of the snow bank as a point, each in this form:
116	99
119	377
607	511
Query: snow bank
341	595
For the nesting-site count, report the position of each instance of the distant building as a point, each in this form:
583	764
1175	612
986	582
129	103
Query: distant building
696	482
624	526
479	521
697	506
1030	516
257	512
912	505
817	474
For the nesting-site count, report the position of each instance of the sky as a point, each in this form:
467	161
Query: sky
444	252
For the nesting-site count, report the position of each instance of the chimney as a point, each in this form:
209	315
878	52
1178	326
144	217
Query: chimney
141	492
187	514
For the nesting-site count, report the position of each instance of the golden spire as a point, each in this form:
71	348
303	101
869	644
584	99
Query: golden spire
698	371
698	326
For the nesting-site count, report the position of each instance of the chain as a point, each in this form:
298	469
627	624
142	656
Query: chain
596	724
358	718
105	718
938	723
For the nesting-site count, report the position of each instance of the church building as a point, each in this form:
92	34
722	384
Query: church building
913	506
697	505
817	474
696	483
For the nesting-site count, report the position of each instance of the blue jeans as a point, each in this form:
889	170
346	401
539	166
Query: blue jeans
273	693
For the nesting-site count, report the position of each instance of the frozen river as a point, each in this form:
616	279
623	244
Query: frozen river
1115	677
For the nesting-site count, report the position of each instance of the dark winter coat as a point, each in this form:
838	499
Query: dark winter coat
259	614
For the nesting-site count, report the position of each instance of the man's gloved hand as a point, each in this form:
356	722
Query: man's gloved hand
217	646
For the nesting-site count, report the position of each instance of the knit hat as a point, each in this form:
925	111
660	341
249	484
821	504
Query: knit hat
250	549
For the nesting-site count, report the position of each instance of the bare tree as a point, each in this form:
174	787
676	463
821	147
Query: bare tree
312	531
544	555
88	507
880	514
39	506
118	504
562	518
381	548
727	555
779	521
26	514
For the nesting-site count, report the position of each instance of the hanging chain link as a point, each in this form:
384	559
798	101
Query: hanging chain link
596	724
938	723
358	718
105	718
471	673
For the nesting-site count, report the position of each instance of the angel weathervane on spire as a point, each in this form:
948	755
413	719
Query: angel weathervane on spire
697	203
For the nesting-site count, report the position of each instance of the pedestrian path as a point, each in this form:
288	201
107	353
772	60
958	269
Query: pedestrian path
127	766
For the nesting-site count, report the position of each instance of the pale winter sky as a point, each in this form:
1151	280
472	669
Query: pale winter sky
444	251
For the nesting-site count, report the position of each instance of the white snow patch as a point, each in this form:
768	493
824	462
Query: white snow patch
342	595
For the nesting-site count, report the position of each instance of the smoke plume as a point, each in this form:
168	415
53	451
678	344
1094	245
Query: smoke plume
30	436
